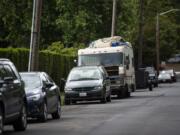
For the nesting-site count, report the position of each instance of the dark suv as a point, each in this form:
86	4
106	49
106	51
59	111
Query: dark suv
12	97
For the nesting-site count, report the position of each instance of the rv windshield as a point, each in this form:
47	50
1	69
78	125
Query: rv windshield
105	59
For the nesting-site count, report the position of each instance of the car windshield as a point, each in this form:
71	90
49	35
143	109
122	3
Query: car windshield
164	75
79	74
170	72
105	59
150	70
32	81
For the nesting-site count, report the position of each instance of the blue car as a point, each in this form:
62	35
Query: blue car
43	95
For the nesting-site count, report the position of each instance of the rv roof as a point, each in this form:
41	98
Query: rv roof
101	50
105	42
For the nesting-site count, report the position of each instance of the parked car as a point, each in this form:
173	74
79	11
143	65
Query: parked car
174	59
12	97
164	77
177	76
152	75
172	74
87	83
43	95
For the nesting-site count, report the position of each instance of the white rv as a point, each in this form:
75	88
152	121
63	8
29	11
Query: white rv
117	57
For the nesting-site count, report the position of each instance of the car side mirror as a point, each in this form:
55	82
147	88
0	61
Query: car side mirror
75	61
17	82
49	84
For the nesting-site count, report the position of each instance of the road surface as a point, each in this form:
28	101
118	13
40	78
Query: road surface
145	113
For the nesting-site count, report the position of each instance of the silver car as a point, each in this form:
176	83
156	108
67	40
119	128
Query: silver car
164	77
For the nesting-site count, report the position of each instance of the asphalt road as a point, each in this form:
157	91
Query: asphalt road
145	113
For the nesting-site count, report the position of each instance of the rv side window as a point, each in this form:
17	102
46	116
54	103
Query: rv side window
132	62
127	62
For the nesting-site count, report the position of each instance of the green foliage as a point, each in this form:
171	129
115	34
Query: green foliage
15	22
169	30
58	47
76	22
127	21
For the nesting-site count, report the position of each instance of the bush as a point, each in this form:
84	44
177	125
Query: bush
56	65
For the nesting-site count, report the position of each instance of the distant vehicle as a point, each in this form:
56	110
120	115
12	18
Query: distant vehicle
43	95
172	74
12	97
117	57
142	79
175	59
164	77
87	83
152	75
177	76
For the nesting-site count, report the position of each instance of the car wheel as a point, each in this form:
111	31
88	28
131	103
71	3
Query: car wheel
1	122
108	98
57	114
103	100
150	87
119	95
44	115
133	88
74	102
156	85
21	123
128	94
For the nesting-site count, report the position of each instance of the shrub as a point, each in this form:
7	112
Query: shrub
56	65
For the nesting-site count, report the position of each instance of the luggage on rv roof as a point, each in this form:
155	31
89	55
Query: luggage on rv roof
108	42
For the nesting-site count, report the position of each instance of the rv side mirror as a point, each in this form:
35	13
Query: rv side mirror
75	61
63	80
8	79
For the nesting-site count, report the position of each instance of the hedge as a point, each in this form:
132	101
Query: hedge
56	65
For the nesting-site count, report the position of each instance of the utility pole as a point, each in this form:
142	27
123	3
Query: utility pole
113	19
141	33
157	43
158	36
35	36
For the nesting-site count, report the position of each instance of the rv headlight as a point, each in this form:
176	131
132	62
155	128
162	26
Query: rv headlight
121	70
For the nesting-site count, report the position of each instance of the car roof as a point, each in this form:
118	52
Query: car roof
169	70
31	73
4	60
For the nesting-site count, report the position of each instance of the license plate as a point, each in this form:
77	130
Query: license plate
82	94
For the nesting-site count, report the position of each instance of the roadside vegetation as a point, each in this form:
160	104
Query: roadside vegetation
67	25
56	65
